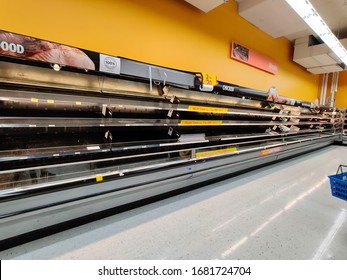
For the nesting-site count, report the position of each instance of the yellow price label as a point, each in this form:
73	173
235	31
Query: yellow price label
209	79
264	152
199	123
193	108
34	99
99	178
216	152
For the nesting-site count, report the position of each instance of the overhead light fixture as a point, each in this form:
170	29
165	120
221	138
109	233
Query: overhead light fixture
56	67
309	14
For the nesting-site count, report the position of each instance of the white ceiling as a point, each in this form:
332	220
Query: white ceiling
276	18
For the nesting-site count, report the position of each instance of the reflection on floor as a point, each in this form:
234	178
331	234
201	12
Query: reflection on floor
282	211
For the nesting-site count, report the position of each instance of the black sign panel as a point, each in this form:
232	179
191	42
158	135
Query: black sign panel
33	49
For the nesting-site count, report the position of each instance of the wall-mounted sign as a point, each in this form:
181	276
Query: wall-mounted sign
29	48
253	58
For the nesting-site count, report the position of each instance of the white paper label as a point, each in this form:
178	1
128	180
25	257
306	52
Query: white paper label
91	148
109	64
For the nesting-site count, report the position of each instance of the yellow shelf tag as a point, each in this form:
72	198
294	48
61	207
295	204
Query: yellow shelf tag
199	123
99	178
209	79
216	152
193	108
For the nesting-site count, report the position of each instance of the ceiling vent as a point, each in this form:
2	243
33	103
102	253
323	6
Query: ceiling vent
206	5
316	58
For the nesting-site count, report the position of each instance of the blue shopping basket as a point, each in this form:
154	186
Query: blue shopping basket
338	183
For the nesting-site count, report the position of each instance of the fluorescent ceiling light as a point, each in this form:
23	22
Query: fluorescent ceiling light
309	14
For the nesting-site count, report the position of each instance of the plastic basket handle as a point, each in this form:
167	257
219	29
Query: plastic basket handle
339	169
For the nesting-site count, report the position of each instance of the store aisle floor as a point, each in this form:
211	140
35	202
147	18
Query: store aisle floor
282	211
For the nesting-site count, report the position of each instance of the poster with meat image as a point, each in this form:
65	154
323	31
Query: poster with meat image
25	47
253	58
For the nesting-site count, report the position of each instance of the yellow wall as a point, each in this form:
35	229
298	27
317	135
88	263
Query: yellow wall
341	95
170	33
